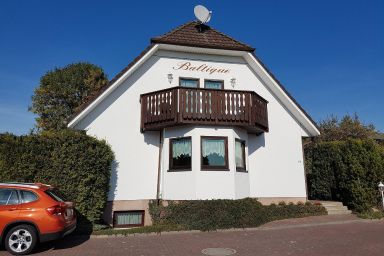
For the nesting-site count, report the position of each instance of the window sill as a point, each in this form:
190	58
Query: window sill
242	170
128	226
179	170
214	170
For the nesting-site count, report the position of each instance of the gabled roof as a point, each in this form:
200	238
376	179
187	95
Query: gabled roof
190	37
285	90
199	35
94	95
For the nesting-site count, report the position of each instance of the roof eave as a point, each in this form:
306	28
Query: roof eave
161	41
115	82
308	123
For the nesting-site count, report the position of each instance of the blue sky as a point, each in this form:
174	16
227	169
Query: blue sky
328	54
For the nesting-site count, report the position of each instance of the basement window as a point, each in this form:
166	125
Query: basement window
126	219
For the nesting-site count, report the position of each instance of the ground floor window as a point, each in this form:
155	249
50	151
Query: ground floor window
240	155
180	154
214	153
122	219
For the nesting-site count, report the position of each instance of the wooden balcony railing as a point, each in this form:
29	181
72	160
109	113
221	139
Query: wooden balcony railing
180	105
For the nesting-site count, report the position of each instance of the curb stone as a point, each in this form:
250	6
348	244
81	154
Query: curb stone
233	229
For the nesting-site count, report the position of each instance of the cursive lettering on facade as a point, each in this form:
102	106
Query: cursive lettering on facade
186	65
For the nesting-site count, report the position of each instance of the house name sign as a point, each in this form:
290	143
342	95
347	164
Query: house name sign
188	66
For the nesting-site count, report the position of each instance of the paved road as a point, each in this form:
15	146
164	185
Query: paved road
352	237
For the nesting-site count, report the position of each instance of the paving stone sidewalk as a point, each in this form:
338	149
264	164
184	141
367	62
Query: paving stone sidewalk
323	235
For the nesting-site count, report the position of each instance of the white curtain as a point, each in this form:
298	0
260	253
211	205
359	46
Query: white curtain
239	154
213	146
129	218
181	147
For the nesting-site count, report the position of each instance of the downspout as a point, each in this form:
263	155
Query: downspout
159	167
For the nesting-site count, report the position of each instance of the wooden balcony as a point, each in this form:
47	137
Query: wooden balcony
180	106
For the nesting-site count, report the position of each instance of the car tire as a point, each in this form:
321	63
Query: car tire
21	240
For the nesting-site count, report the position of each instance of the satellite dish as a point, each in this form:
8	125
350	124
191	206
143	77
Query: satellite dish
202	13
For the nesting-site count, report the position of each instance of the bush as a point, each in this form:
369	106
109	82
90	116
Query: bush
77	164
370	214
346	171
139	230
208	215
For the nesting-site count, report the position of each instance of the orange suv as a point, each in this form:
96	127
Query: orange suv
31	213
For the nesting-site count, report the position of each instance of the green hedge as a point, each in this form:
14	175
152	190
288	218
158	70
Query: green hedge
223	214
347	171
77	164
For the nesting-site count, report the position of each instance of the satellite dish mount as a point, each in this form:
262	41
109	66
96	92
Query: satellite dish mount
202	14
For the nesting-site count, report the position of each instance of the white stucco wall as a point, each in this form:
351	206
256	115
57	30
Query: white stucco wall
274	162
198	183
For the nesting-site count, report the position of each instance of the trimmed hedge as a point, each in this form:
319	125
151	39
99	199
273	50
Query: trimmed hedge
208	215
79	165
347	171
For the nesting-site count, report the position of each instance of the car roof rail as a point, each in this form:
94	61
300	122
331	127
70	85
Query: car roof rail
23	184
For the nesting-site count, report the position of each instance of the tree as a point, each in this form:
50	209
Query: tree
62	91
349	127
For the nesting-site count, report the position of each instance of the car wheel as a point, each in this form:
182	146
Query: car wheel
21	240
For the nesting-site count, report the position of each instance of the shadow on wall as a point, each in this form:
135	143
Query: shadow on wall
113	180
107	213
152	138
255	142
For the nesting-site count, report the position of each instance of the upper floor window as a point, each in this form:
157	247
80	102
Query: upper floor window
240	155
214	84
189	82
180	153
214	153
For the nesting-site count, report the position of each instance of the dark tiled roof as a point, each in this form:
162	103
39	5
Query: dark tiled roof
199	35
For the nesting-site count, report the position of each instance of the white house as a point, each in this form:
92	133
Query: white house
197	116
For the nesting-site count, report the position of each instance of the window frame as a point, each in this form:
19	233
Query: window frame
217	167
241	169
214	80
21	196
189	78
17	194
115	225
172	168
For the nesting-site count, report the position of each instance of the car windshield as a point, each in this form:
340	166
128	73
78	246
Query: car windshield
55	195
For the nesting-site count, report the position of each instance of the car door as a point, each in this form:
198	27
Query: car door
30	207
9	206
